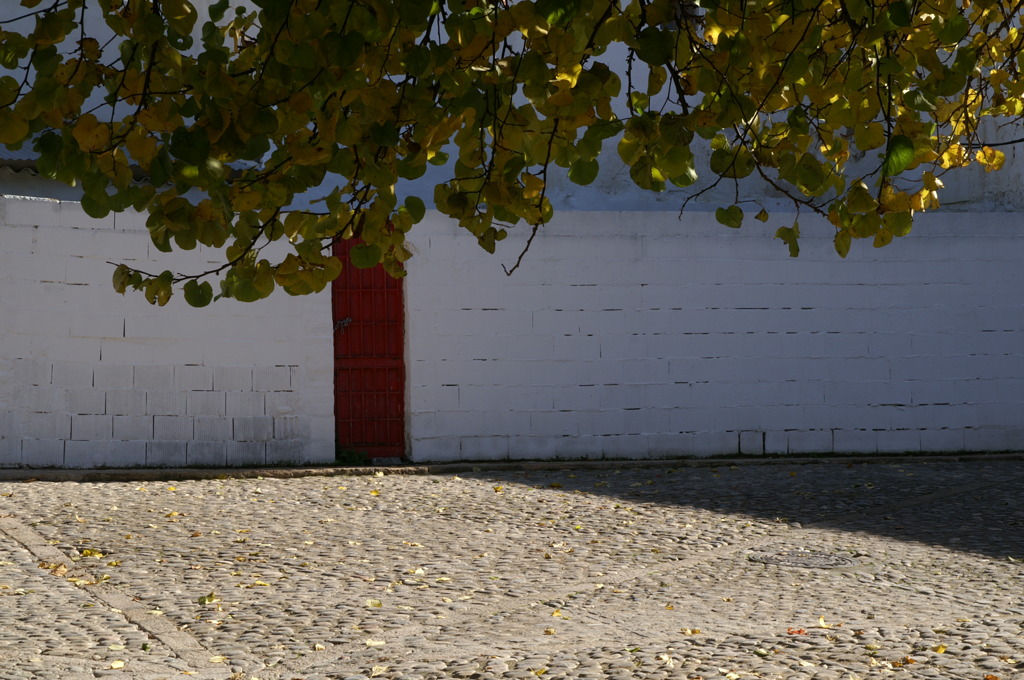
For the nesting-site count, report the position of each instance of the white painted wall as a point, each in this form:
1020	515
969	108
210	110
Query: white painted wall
636	334
89	378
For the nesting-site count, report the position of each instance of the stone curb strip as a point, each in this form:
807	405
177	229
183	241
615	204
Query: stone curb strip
164	474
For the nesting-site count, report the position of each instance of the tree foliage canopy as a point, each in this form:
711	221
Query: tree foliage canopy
213	124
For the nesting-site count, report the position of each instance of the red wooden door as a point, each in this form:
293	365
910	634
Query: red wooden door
369	360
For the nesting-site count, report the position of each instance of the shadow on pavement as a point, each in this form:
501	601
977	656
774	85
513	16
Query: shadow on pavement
964	506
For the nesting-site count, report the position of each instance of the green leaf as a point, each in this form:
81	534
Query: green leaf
365	256
198	294
416	208
558	12
190	145
919	101
730	217
898	223
791	237
842	242
218	9
883	237
655	46
953	29
583	172
95	205
899	154
734	163
901	13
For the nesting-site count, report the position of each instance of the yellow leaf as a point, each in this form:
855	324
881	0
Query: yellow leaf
319	647
13	128
549	631
939	649
374	603
218	659
532	187
115	648
375	643
377	670
117	664
822	624
90	134
375	492
990	158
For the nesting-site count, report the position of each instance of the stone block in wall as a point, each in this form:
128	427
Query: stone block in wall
166	453
532	448
72	374
83	454
253	429
193	378
291	427
810	441
776	442
126	402
74	217
633	446
206	454
283	451
204	403
46	426
86	401
165	402
484	448
752	443
42	452
854	441
584	448
133	427
991	439
213	429
245	404
283	403
899	441
10	424
669	445
42	398
271	378
32	372
131	220
715	443
113	376
942	440
10	452
245	453
173	427
232	378
436	449
91	427
31	212
125	454
154	378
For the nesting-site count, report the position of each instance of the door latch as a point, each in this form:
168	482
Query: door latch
341	325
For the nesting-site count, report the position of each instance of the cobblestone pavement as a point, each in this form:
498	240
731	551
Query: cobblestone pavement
832	570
